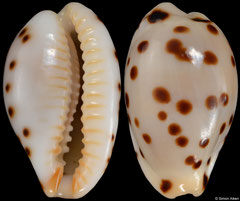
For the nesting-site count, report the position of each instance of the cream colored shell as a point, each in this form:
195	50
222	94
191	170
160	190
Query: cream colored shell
41	92
181	92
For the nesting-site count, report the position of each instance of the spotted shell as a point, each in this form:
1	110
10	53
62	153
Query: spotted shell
61	92
180	94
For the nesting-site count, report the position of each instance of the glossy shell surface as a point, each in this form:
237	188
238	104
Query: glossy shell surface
42	77
180	93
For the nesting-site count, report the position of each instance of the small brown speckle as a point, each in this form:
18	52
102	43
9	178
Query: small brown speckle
25	38
147	138
174	129
204	142
115	54
8	87
182	141
208	162
128	61
212	29
113	137
12	65
198	19
197	164
233	61
230	120
211	102
161	95
22	32
26	132
127	99
190	160
134	72
222	128
210	58
165	186
142	47
11	111
136	122
181	29
205	180
224	99
184	107
28	151
108	160
119	87
162	115
157	15
141	153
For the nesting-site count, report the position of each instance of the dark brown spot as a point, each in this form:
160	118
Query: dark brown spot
136	122
198	19
129	119
26	132
165	186
11	111
142	47
147	138
162	115
224	99
184	106
8	87
141	153
113	137
161	95
175	47
157	15
208	162
233	61
115	54
204	142
182	141
119	87
212	29
133	72
12	65
128	61
197	164
222	128
230	120
190	160
108	160
28	151
127	99
22	32
211	102
174	129
25	38
205	180
210	58
181	29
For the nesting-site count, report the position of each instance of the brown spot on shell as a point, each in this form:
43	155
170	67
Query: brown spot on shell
204	142
165	186
147	138
108	160
162	115
115	54
205	180
175	47
161	95
127	99
182	141
211	102
136	122
174	129
157	15
8	87
142	47
141	153
119	86
181	29
22	32
224	99
222	128
210	58
11	111
197	164
12	65
199	19
134	72
128	61
212	29
113	137
26	132
233	61
208	161
230	120
190	160
28	151
184	106
25	38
